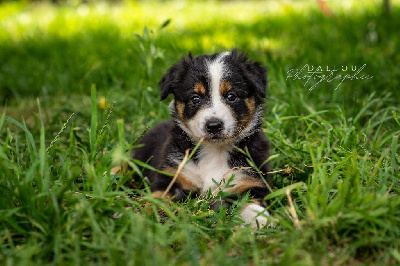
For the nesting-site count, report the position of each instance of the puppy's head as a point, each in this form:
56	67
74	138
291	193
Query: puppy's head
216	97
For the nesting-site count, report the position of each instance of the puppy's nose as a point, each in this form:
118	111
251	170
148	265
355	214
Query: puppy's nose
214	126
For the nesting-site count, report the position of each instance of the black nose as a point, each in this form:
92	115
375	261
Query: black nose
214	126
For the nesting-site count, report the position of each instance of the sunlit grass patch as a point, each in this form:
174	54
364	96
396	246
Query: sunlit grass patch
20	21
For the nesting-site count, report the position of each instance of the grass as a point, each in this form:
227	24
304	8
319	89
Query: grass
78	86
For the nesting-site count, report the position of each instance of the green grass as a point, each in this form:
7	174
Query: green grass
78	87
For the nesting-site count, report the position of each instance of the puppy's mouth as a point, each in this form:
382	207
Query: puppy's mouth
218	138
215	137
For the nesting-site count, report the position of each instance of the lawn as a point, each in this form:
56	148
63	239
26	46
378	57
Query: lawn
78	87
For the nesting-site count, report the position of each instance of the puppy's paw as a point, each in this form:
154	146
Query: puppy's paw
257	216
116	170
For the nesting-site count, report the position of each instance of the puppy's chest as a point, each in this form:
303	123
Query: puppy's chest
211	170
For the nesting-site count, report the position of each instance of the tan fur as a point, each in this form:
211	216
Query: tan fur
251	203
159	193
184	182
116	170
225	87
180	107
251	106
247	184
199	89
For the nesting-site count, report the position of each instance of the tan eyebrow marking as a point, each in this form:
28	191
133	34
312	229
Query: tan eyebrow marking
225	87
199	89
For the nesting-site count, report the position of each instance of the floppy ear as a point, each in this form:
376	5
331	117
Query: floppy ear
254	72
171	79
168	82
257	76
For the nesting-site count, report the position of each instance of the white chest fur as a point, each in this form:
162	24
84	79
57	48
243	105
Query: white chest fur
211	169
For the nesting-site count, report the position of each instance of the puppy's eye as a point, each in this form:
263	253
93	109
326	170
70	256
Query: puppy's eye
195	99
231	97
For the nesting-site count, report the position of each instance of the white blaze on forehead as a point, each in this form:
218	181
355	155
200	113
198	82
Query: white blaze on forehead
217	71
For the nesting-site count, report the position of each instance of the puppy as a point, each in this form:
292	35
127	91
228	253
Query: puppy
218	99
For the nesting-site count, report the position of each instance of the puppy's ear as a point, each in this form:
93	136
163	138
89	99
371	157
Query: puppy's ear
168	82
257	76
254	72
172	78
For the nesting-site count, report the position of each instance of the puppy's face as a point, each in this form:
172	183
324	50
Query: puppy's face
217	97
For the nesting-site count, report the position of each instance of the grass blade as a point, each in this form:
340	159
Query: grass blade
93	123
2	119
394	152
25	129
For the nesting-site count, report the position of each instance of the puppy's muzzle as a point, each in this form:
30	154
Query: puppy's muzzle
214	126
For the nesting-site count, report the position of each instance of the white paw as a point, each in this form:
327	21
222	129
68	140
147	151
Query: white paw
256	216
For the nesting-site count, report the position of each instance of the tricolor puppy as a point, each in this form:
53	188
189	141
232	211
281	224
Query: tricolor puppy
218	98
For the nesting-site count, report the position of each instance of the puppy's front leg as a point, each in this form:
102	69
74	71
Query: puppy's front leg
255	215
